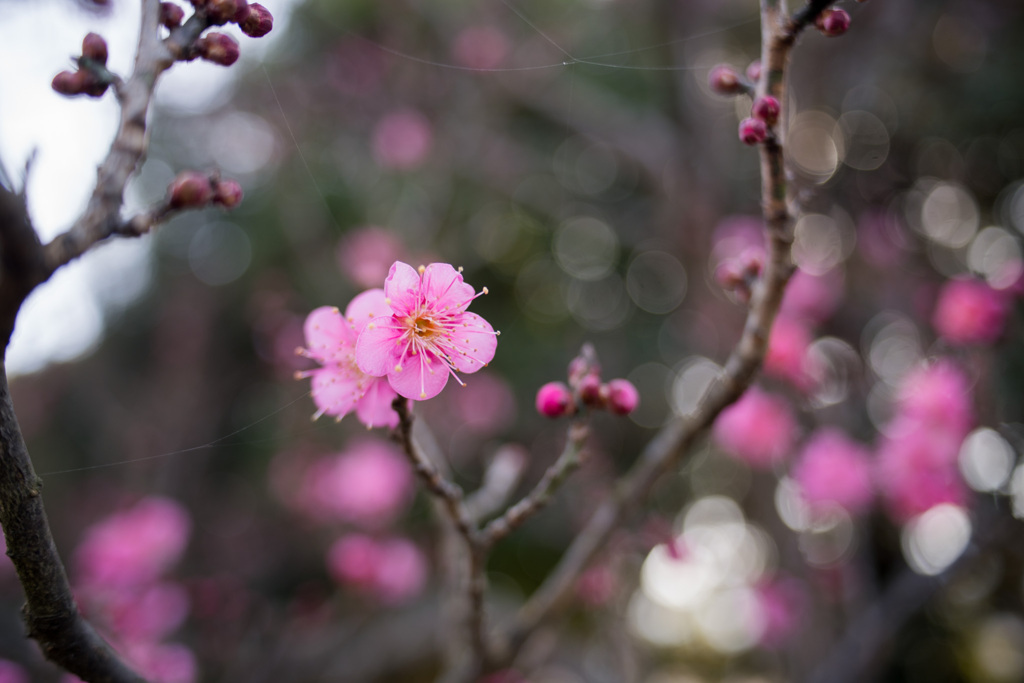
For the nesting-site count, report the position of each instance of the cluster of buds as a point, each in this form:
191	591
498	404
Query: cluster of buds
739	273
254	19
764	114
91	77
586	390
195	190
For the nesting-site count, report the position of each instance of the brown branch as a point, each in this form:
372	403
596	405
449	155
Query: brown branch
673	442
101	219
452	501
540	496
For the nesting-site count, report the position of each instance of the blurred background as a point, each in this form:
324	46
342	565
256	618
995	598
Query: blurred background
571	157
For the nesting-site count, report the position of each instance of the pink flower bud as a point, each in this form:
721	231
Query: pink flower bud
590	391
68	83
753	131
94	48
833	22
219	48
171	15
754	71
222	11
227	193
623	398
190	189
256	22
767	109
554	400
724	80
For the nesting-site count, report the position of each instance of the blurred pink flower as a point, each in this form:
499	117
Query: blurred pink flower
970	312
480	47
787	356
147	615
366	255
133	547
402	140
11	672
429	335
392	570
758	429
339	387
939	397
402	571
163	662
813	298
596	586
917	470
782	602
835	469
369	484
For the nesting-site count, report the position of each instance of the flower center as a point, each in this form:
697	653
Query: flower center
425	328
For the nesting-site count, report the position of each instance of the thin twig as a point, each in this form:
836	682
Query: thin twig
674	441
540	496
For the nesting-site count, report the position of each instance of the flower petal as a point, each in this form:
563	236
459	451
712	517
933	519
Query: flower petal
402	288
374	408
473	343
444	288
365	307
377	347
421	377
336	389
329	337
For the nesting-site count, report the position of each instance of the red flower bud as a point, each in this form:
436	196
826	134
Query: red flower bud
767	109
222	11
219	48
228	193
190	190
171	15
753	131
623	398
68	83
257	22
94	48
554	400
724	80
590	391
754	71
833	22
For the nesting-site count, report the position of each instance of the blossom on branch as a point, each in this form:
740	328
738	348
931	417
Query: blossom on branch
428	335
339	387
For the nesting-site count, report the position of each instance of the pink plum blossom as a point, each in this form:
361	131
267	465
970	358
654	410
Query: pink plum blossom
369	485
429	334
402	140
758	429
339	387
133	547
970	312
366	254
835	469
392	570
